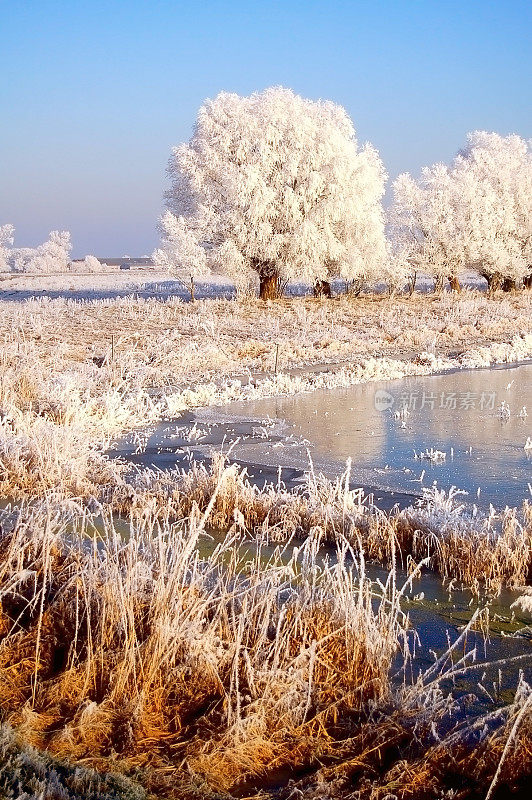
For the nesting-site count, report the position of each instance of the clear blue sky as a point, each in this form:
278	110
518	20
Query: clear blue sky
94	94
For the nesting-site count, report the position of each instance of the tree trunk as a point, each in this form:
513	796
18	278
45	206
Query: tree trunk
527	282
455	283
322	289
269	287
354	288
494	280
438	284
508	285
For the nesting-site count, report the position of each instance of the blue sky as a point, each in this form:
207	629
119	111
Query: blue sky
94	94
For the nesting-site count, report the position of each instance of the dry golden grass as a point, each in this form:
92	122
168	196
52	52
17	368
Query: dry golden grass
223	675
478	555
140	651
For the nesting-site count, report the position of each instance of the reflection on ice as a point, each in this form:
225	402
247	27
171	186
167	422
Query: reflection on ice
468	429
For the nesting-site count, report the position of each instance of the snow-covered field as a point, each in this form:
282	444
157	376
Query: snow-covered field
79	368
76	374
111	283
165	331
151	282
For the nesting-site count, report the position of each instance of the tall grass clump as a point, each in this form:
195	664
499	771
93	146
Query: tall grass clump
481	553
141	651
475	553
216	676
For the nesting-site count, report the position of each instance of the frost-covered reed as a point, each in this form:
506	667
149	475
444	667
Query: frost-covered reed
140	647
484	553
227	673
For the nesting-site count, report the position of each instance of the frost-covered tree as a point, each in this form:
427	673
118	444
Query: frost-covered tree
397	270
54	254
88	264
475	213
180	253
426	218
276	186
92	264
494	173
50	256
7	233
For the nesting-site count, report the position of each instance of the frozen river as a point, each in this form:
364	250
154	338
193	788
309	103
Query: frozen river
476	418
466	429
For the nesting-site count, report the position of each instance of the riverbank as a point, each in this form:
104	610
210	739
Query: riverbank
127	650
109	366
235	675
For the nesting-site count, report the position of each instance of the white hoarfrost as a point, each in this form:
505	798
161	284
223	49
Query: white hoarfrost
276	186
475	213
371	369
51	256
7	233
524	601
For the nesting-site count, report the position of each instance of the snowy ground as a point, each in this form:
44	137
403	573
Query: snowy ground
77	373
164	335
150	282
113	283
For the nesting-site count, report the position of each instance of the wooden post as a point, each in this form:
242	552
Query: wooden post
455	283
112	348
276	357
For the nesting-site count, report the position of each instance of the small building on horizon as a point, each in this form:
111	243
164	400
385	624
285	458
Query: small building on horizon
126	262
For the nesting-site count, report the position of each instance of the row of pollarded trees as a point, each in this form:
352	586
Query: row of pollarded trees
473	214
276	186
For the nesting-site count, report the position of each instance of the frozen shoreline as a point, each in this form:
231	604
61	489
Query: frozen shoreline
119	365
262	470
265	446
